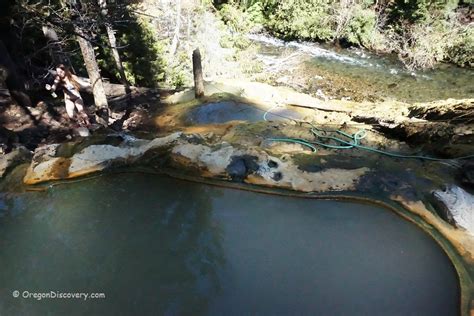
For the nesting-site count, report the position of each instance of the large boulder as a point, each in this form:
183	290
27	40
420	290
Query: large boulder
49	165
17	156
458	205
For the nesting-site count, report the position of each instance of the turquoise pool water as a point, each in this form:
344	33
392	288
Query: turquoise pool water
159	246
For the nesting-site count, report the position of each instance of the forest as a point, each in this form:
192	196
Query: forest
149	43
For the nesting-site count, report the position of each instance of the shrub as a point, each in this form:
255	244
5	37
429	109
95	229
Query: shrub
419	11
240	22
235	18
425	44
361	28
421	32
309	20
461	51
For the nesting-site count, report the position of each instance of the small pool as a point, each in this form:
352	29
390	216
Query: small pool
160	246
225	111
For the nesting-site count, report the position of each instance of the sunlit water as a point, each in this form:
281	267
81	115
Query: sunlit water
385	76
158	246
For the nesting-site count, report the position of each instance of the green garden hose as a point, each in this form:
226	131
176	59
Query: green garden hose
351	141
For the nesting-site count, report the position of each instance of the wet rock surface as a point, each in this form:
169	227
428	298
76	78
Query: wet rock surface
245	152
458	205
241	167
47	165
445	127
15	157
467	173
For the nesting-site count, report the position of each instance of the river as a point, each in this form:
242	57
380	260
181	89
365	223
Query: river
359	74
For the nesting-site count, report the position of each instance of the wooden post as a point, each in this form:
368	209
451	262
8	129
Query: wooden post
197	70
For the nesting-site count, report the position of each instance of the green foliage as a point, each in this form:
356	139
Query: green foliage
361	28
421	32
142	53
176	73
255	14
429	33
308	20
425	47
461	51
105	59
414	11
238	20
143	56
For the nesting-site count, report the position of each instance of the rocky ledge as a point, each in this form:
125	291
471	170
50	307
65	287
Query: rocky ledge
191	154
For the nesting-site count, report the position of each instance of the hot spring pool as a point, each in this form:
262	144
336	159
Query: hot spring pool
225	111
155	245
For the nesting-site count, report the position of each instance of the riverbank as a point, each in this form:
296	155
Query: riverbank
421	34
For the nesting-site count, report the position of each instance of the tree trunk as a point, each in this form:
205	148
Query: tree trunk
113	47
117	59
174	43
197	70
5	96
13	80
93	71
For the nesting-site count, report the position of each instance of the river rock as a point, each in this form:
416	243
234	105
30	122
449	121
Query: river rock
82	131
459	206
467	173
13	158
